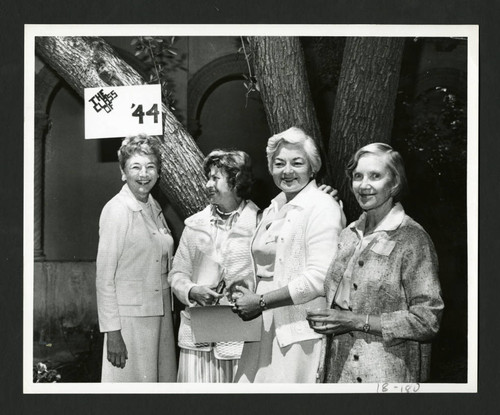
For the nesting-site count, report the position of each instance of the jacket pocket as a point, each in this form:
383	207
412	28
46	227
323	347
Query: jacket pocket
129	292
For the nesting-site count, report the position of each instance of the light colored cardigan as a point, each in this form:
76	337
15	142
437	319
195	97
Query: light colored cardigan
306	246
129	263
196	254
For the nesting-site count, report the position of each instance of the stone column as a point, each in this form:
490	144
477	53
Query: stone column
41	128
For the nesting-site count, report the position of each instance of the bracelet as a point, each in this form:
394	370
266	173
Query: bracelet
262	303
366	327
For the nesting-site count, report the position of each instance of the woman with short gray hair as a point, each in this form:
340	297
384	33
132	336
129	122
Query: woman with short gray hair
384	302
133	295
294	243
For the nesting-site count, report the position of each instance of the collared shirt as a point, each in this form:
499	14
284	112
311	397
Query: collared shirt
390	222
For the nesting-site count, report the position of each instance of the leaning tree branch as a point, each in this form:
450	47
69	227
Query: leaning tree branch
89	62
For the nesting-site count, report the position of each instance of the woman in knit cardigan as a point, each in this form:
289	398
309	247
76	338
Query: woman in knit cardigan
215	246
291	250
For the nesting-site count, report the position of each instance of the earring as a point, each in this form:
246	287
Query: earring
124	179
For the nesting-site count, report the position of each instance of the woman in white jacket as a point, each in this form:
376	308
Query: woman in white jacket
215	245
133	296
292	249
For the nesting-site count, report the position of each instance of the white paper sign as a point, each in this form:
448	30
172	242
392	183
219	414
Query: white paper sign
119	111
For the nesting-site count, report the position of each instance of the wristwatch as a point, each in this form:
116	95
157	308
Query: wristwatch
262	303
366	326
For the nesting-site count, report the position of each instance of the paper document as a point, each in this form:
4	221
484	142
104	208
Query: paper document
219	323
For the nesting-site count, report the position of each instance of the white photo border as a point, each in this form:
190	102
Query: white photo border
471	32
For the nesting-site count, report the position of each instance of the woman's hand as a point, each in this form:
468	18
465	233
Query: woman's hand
332	321
117	351
329	190
203	295
247	305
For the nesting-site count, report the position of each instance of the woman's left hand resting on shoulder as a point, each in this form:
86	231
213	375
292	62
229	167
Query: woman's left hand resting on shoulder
333	321
329	190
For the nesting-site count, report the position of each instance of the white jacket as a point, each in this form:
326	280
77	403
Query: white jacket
130	261
195	258
306	246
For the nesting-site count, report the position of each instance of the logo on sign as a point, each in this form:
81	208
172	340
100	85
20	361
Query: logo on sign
102	101
120	111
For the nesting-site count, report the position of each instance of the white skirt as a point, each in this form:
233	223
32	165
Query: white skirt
150	346
198	366
266	362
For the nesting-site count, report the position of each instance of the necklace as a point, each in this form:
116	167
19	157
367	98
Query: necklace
221	213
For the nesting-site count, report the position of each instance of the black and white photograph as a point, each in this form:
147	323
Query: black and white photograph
251	209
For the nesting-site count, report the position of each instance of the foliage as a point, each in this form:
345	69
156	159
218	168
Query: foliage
250	81
436	129
162	58
431	134
41	374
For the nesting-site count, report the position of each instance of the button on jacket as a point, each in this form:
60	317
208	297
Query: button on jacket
130	263
395	277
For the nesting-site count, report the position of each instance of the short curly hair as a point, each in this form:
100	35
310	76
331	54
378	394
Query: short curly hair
139	144
238	168
296	136
395	164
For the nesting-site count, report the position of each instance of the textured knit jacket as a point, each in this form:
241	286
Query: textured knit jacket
129	261
196	255
306	246
395	277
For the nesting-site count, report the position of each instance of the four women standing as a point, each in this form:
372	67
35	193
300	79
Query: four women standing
383	302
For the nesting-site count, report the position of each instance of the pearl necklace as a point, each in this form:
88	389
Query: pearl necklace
221	213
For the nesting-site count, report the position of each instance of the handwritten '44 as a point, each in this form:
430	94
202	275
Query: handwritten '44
152	112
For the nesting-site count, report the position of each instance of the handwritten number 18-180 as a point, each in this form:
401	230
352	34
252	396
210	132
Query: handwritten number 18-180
153	111
398	387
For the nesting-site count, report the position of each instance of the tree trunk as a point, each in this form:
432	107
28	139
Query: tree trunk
89	62
364	104
282	80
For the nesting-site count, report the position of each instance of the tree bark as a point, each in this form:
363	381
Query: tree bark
364	104
282	80
88	62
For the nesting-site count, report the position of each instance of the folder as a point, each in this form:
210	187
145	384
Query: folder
219	324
